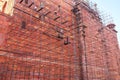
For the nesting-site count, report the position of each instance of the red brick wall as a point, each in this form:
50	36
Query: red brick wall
94	47
36	52
112	51
101	49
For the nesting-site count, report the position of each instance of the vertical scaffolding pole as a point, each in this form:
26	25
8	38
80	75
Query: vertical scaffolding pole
79	36
75	56
81	40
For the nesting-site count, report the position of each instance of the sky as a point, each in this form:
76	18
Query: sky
111	7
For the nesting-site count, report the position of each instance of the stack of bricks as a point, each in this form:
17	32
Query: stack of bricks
39	42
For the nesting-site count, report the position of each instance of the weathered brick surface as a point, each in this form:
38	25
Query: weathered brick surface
36	52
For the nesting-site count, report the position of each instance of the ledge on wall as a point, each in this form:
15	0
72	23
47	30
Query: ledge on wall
112	27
